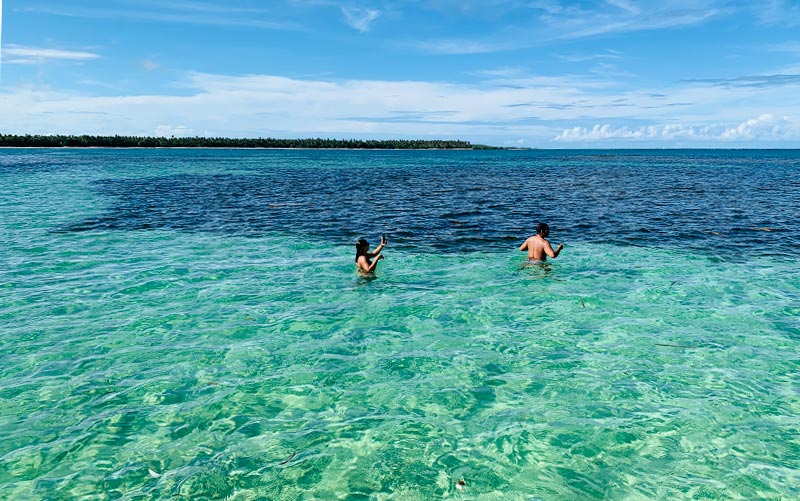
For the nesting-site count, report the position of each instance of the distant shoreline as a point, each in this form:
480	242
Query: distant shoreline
87	141
476	148
237	148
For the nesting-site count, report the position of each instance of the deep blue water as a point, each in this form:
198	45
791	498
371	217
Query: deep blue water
724	203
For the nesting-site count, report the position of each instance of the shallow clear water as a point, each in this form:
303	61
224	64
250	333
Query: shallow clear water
168	334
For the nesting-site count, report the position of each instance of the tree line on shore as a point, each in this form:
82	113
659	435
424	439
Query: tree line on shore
47	141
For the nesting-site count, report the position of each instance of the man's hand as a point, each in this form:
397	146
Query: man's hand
383	239
560	246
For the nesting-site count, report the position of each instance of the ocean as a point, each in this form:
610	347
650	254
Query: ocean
189	324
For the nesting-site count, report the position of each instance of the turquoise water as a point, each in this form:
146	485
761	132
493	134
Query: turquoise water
245	359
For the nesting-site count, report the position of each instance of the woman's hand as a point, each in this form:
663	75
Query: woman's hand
383	239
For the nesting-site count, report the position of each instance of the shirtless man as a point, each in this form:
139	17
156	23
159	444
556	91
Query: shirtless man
539	247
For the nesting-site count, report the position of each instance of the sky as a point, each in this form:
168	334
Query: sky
516	73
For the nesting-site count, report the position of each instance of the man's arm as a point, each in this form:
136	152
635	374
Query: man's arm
524	246
548	249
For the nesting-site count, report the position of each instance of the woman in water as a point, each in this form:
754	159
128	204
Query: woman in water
366	261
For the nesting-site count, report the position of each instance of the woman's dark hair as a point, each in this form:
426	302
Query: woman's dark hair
542	228
362	248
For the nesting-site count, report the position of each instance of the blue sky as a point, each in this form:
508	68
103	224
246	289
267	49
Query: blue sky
534	73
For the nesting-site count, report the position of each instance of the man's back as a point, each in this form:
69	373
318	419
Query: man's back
535	246
538	246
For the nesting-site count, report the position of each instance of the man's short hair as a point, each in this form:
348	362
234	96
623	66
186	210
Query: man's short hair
542	228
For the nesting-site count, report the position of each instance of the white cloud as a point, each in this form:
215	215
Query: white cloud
360	19
790	47
506	72
608	54
17	54
150	65
547	111
180	13
765	127
458	47
602	23
599	132
624	5
551	7
174	130
260	105
778	12
543	22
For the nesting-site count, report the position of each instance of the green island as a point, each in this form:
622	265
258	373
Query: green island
87	141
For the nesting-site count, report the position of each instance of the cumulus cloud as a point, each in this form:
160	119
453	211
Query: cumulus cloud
764	127
606	131
360	19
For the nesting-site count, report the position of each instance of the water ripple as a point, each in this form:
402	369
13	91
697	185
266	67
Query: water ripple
718	202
